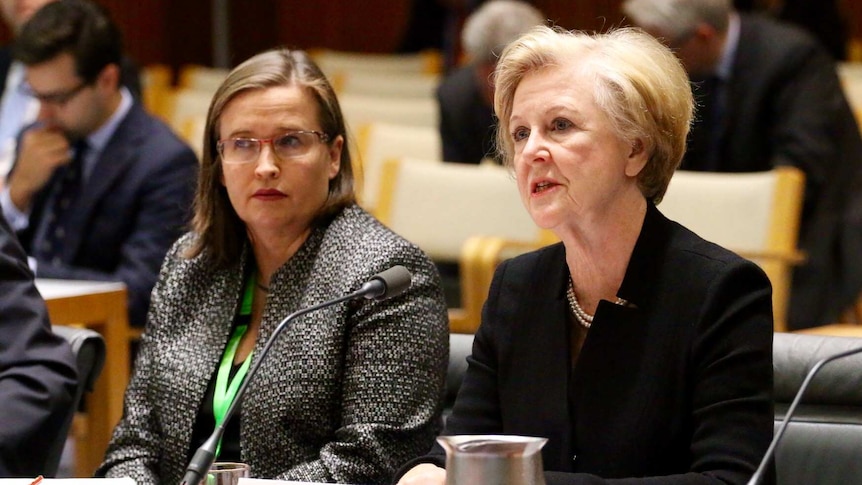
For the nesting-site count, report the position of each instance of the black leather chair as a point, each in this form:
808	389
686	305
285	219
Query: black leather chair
822	444
89	350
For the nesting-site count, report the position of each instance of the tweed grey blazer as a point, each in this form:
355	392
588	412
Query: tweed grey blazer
346	394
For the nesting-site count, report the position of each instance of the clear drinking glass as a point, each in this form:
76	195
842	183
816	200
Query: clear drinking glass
226	473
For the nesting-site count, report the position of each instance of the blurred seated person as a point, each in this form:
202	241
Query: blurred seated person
99	189
825	20
466	95
436	24
770	96
18	108
347	393
639	350
37	369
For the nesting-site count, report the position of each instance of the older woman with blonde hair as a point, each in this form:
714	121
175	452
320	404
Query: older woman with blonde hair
346	393
636	348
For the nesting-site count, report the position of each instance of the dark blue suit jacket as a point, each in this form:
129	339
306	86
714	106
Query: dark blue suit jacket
785	106
135	204
37	370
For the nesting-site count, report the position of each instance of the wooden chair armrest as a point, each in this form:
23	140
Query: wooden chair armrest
788	257
479	258
834	330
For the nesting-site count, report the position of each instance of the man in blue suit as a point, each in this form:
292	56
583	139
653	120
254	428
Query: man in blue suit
17	108
769	96
99	189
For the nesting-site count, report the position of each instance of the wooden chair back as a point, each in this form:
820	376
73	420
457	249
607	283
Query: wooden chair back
755	214
379	142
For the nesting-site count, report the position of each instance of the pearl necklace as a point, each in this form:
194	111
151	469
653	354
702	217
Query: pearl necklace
583	318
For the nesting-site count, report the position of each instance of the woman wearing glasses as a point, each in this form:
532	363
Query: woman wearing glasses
346	392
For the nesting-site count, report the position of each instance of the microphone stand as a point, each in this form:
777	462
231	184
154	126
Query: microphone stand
205	455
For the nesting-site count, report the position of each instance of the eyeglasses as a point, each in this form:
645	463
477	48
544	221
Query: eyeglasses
59	98
293	144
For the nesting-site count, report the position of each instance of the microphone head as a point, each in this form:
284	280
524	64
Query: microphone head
387	284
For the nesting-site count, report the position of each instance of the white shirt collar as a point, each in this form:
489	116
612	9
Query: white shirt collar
97	140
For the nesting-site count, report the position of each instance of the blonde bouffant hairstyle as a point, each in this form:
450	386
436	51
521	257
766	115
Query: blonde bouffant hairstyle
639	84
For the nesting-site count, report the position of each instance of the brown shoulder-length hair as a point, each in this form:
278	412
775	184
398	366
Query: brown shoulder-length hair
221	233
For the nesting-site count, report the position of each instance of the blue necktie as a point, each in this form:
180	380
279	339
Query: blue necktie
50	249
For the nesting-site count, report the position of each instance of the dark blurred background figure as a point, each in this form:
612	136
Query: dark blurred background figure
769	95
37	370
99	189
436	24
466	95
822	18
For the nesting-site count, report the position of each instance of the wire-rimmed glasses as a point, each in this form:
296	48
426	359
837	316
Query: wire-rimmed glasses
293	144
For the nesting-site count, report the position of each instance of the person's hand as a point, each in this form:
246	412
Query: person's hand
42	151
424	474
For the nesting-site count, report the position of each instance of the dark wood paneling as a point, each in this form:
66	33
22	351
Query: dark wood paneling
146	32
853	8
254	27
593	15
366	26
189	31
177	32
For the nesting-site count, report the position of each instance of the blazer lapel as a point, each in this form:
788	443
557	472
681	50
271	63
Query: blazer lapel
544	338
214	308
615	347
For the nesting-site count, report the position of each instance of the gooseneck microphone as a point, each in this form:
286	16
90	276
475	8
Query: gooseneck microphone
386	284
770	452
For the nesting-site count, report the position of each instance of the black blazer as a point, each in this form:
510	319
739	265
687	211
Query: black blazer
37	370
785	106
677	385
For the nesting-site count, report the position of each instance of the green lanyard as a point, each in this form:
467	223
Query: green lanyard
226	388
